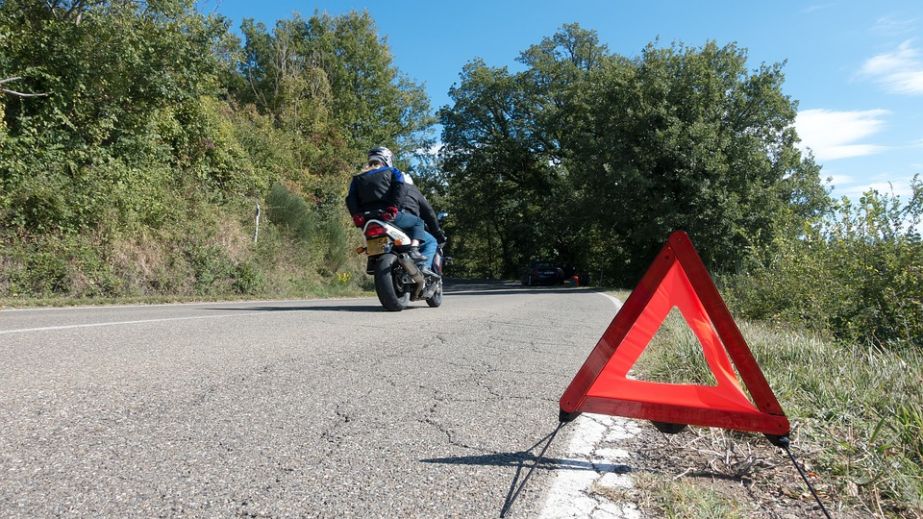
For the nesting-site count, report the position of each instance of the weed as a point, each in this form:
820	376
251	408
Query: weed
675	499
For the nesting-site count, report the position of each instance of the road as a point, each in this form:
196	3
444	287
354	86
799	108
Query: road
321	408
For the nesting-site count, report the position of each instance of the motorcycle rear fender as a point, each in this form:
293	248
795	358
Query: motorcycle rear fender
393	232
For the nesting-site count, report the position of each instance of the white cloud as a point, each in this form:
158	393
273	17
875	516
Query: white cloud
833	135
893	25
900	187
816	7
899	71
839	180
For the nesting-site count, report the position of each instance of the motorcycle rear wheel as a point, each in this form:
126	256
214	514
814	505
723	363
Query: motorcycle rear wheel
393	298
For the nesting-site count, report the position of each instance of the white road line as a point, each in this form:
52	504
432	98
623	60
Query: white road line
615	300
596	460
118	323
191	303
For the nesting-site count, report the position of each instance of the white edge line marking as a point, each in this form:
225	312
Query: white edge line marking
569	496
118	323
187	303
615	300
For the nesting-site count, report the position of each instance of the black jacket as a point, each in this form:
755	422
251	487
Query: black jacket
416	204
376	189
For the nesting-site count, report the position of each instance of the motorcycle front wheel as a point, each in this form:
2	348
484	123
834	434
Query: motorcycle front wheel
390	292
436	300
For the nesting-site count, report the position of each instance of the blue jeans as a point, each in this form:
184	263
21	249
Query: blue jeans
428	248
413	225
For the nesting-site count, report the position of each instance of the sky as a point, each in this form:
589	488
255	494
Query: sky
855	67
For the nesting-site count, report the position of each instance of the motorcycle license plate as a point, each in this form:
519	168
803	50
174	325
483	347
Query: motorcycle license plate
376	246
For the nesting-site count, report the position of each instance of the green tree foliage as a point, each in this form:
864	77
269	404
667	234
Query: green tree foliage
334	72
138	171
595	158
858	272
125	82
324	91
496	174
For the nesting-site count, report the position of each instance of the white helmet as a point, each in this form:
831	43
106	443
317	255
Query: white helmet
381	154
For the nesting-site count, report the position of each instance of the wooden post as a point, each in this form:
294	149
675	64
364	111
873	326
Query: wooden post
256	230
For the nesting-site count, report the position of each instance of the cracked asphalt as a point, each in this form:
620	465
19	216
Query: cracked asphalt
321	408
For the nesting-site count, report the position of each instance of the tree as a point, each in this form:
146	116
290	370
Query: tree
124	81
688	139
500	178
159	130
603	156
334	70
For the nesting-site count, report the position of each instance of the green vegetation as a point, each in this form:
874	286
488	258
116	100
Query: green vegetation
660	495
594	158
857	273
137	171
855	410
141	136
153	132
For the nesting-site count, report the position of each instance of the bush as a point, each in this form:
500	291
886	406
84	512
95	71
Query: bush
858	274
135	175
291	212
248	279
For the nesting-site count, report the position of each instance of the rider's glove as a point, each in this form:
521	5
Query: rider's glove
441	238
390	213
358	220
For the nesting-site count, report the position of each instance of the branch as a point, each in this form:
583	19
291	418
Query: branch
22	94
75	7
15	93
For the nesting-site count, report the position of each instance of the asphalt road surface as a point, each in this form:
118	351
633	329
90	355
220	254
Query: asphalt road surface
322	408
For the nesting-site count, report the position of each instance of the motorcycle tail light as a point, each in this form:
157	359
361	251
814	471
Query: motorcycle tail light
374	231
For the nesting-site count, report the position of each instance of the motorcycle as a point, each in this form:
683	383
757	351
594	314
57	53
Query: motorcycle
398	279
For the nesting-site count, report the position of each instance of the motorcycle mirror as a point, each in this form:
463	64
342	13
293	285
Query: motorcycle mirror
441	216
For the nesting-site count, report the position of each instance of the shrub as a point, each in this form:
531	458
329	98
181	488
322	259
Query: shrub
857	274
291	212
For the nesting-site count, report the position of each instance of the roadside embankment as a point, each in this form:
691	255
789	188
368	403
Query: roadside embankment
857	427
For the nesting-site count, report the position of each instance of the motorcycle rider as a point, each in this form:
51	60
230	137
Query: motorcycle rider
417	204
381	187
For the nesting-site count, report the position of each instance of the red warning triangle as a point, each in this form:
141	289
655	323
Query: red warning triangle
677	278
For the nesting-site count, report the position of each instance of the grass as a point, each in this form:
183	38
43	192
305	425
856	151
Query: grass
857	412
662	496
686	499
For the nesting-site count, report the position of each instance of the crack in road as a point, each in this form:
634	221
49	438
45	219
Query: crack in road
287	413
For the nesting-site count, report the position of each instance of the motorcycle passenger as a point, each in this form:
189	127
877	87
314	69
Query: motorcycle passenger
381	187
416	204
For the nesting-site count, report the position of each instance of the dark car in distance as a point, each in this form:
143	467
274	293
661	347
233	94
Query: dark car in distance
542	273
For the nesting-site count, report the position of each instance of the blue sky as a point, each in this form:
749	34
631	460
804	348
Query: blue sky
856	67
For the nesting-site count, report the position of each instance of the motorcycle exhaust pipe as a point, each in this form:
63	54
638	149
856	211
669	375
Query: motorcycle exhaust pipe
414	272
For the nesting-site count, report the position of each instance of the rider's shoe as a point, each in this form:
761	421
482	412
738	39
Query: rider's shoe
415	255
